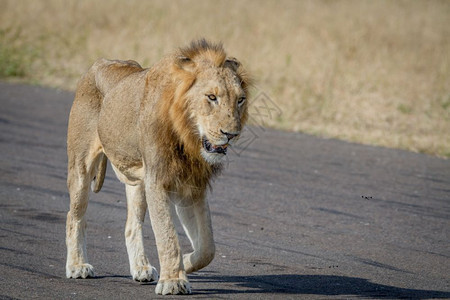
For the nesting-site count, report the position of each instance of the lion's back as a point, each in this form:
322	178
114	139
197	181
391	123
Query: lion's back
108	73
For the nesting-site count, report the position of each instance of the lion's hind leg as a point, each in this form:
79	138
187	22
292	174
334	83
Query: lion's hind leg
77	265
140	268
85	160
82	168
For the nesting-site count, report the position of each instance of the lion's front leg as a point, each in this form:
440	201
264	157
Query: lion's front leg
196	221
173	279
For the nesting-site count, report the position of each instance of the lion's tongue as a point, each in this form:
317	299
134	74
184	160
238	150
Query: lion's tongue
221	148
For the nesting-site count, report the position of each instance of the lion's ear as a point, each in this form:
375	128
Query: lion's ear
232	63
185	63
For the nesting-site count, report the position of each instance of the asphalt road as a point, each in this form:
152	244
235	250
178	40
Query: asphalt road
294	216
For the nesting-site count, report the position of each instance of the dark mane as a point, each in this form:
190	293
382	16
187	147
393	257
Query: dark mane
204	49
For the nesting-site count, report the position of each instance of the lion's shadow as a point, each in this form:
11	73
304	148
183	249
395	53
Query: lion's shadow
324	285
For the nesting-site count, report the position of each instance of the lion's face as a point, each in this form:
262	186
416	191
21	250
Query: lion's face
219	110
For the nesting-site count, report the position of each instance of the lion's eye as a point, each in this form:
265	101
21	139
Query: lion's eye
241	100
212	97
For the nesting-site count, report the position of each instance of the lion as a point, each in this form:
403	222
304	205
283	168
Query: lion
165	131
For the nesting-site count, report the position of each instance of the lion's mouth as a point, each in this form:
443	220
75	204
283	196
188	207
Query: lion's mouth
210	148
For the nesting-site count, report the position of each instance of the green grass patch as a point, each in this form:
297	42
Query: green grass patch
11	63
15	57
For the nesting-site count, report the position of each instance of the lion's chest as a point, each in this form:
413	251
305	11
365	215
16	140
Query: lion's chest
185	179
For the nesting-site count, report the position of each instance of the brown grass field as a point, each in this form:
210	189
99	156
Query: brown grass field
373	72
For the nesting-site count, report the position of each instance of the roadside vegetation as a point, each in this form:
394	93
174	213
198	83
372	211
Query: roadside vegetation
373	72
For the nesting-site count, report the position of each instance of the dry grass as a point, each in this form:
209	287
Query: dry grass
375	72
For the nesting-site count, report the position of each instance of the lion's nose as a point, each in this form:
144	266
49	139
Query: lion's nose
229	135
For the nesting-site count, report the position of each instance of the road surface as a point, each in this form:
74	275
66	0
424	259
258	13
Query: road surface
294	216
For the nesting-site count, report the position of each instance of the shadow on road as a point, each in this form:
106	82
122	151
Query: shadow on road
313	285
110	276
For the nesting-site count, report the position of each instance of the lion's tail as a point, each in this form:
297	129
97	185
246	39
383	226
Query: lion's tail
97	181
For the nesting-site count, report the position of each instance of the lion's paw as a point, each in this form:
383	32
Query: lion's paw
145	273
173	287
187	263
80	271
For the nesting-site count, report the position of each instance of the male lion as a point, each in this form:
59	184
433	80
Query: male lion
165	131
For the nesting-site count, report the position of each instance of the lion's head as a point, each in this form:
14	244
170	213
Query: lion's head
210	106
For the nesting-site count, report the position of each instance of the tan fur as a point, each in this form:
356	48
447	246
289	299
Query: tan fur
151	124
